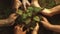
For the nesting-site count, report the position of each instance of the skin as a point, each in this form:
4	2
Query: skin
16	5
25	2
49	26
47	12
35	30
9	21
35	3
50	12
19	29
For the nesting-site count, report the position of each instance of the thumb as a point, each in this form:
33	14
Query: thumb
36	27
42	21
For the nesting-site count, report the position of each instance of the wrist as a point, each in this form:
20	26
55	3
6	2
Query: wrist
48	26
46	11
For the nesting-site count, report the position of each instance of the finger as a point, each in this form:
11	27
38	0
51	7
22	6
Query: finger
15	17
26	30
44	19
17	27
28	2
37	26
22	26
24	4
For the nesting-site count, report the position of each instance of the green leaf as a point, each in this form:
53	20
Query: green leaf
36	18
37	9
24	16
30	8
27	21
20	12
27	11
29	14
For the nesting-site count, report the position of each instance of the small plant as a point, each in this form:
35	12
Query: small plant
30	17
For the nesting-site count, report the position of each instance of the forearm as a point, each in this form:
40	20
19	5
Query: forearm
56	9
55	28
3	22
47	12
9	21
6	23
50	12
51	27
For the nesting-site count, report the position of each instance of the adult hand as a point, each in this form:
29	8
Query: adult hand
47	12
13	16
45	22
49	26
35	30
19	30
25	2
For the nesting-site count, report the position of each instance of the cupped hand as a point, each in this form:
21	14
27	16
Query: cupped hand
47	12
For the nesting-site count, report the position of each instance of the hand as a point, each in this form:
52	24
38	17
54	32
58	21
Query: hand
47	12
35	30
36	27
16	5
25	2
45	22
19	30
13	16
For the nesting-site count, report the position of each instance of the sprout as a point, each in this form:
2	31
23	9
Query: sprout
29	14
30	9
20	12
36	18
27	21
24	16
29	18
36	9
